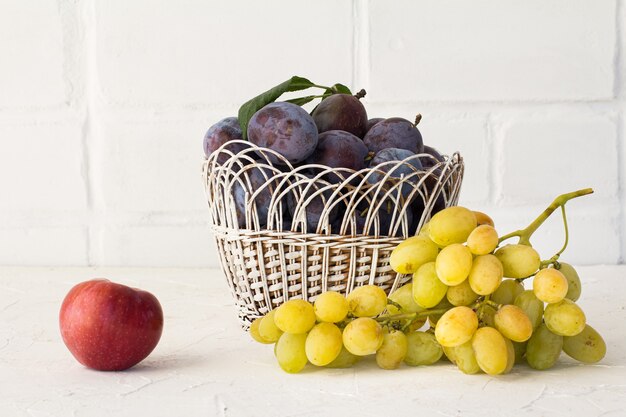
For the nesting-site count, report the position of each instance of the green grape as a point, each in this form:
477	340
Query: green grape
453	264
444	304
482	240
254	331
587	346
295	316
573	281
331	307
532	306
323	344
456	326
444	357
486	274
422	349
404	297
491	350
461	295
367	301
543	348
363	336
345	359
268	329
451	225
428	290
414	252
520	350
518	261
448	352
510	357
564	318
507	291
290	352
465	358
550	285
482	218
513	323
393	350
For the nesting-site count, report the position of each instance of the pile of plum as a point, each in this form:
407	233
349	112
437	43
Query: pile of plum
330	171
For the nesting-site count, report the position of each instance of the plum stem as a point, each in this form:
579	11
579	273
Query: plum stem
360	94
418	119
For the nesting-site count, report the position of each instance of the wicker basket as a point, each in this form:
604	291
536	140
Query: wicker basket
286	232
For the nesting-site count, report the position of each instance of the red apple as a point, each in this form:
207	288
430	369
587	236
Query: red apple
109	326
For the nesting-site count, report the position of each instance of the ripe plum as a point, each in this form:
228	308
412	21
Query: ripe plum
436	157
341	112
261	177
315	207
363	220
285	128
394	132
386	217
373	121
381	162
224	131
339	149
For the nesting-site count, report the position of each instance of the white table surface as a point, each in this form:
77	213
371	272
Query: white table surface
205	365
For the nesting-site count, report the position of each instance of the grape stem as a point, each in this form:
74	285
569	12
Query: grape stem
555	259
525	234
393	303
493	304
410	316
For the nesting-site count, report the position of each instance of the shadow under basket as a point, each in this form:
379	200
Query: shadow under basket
288	231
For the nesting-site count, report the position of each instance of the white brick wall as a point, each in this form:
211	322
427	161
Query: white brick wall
33	58
103	106
491	50
207	53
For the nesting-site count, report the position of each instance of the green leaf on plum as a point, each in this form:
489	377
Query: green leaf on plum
340	89
300	101
247	110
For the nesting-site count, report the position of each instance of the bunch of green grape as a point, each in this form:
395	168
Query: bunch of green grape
466	303
334	331
494	322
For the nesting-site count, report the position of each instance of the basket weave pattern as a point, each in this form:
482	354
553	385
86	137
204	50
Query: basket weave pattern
300	231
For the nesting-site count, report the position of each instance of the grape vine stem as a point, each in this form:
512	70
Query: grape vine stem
525	234
410	316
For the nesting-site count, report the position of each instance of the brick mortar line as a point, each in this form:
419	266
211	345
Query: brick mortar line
181	115
91	131
620	14
74	80
360	45
491	157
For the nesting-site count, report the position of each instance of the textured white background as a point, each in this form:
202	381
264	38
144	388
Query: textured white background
103	105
